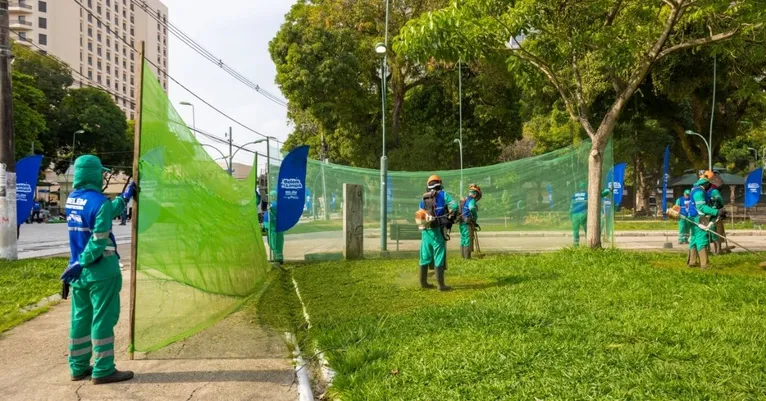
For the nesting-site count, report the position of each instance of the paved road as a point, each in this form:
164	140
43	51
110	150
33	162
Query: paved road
38	240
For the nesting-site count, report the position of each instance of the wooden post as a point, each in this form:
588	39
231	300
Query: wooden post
353	221
134	220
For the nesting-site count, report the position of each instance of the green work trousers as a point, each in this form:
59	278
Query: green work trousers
699	238
465	234
684	230
579	220
277	244
433	248
95	311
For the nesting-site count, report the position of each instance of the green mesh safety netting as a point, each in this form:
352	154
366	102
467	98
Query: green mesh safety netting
531	196
200	251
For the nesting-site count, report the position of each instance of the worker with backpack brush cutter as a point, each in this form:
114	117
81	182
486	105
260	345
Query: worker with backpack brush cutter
438	211
469	220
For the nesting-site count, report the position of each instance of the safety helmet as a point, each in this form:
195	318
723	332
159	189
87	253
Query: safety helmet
477	191
687	192
434	182
708	174
583	185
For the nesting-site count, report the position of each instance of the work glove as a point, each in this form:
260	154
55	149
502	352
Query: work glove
130	191
702	226
722	214
72	272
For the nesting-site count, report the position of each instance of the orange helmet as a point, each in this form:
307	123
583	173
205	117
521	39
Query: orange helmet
434	182
475	188
707	174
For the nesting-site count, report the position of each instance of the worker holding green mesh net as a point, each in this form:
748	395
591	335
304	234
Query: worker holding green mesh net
578	213
276	239
94	274
469	220
433	219
697	212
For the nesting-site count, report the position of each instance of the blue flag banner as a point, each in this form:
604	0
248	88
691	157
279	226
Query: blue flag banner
665	177
291	188
618	183
27	172
753	187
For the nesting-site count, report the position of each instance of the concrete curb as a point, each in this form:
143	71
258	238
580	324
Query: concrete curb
53	299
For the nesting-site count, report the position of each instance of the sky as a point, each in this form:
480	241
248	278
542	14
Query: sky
238	32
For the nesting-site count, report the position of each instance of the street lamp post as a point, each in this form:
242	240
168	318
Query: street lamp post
755	155
223	156
459	141
71	159
381	49
194	118
709	149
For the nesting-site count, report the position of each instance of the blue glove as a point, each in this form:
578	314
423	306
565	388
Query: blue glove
130	191
72	272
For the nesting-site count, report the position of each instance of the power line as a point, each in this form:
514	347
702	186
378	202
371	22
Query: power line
165	73
194	45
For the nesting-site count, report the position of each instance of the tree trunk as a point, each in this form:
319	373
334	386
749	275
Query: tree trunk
642	196
595	164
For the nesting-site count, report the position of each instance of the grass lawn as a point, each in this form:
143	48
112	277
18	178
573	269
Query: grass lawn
26	282
571	325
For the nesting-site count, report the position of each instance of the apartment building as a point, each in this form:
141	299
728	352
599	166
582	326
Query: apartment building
97	39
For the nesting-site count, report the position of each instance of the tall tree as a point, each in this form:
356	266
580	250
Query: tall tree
582	49
104	125
28	119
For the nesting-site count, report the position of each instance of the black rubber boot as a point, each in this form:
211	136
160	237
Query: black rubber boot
424	278
440	279
83	376
115	377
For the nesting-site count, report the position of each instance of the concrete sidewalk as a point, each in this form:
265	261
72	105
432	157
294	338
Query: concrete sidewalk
35	363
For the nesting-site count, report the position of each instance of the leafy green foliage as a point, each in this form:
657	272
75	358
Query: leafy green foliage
328	70
24	283
565	325
29	104
93	111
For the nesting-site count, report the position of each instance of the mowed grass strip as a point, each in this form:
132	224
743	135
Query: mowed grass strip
571	325
24	283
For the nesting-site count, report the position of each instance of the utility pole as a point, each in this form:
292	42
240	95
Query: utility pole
231	157
8	228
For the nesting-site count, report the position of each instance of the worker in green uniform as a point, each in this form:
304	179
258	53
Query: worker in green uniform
578	213
469	220
276	239
698	211
435	216
715	200
684	227
607	217
93	274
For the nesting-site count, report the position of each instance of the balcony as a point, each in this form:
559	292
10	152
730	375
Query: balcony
20	7
17	24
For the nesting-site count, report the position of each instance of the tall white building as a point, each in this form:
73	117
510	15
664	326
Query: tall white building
97	38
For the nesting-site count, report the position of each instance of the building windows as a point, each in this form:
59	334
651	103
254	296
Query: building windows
132	56
43	23
132	93
98	65
132	19
98	24
98	36
108	69
132	32
99	51
132	68
90	74
98	79
90	60
90	4
42	6
108	42
124	90
108	3
98	10
42	39
90	46
108	81
108	55
90	32
116	59
108	16
124	27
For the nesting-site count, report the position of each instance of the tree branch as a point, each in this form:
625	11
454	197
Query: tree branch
582	106
699	42
613	13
